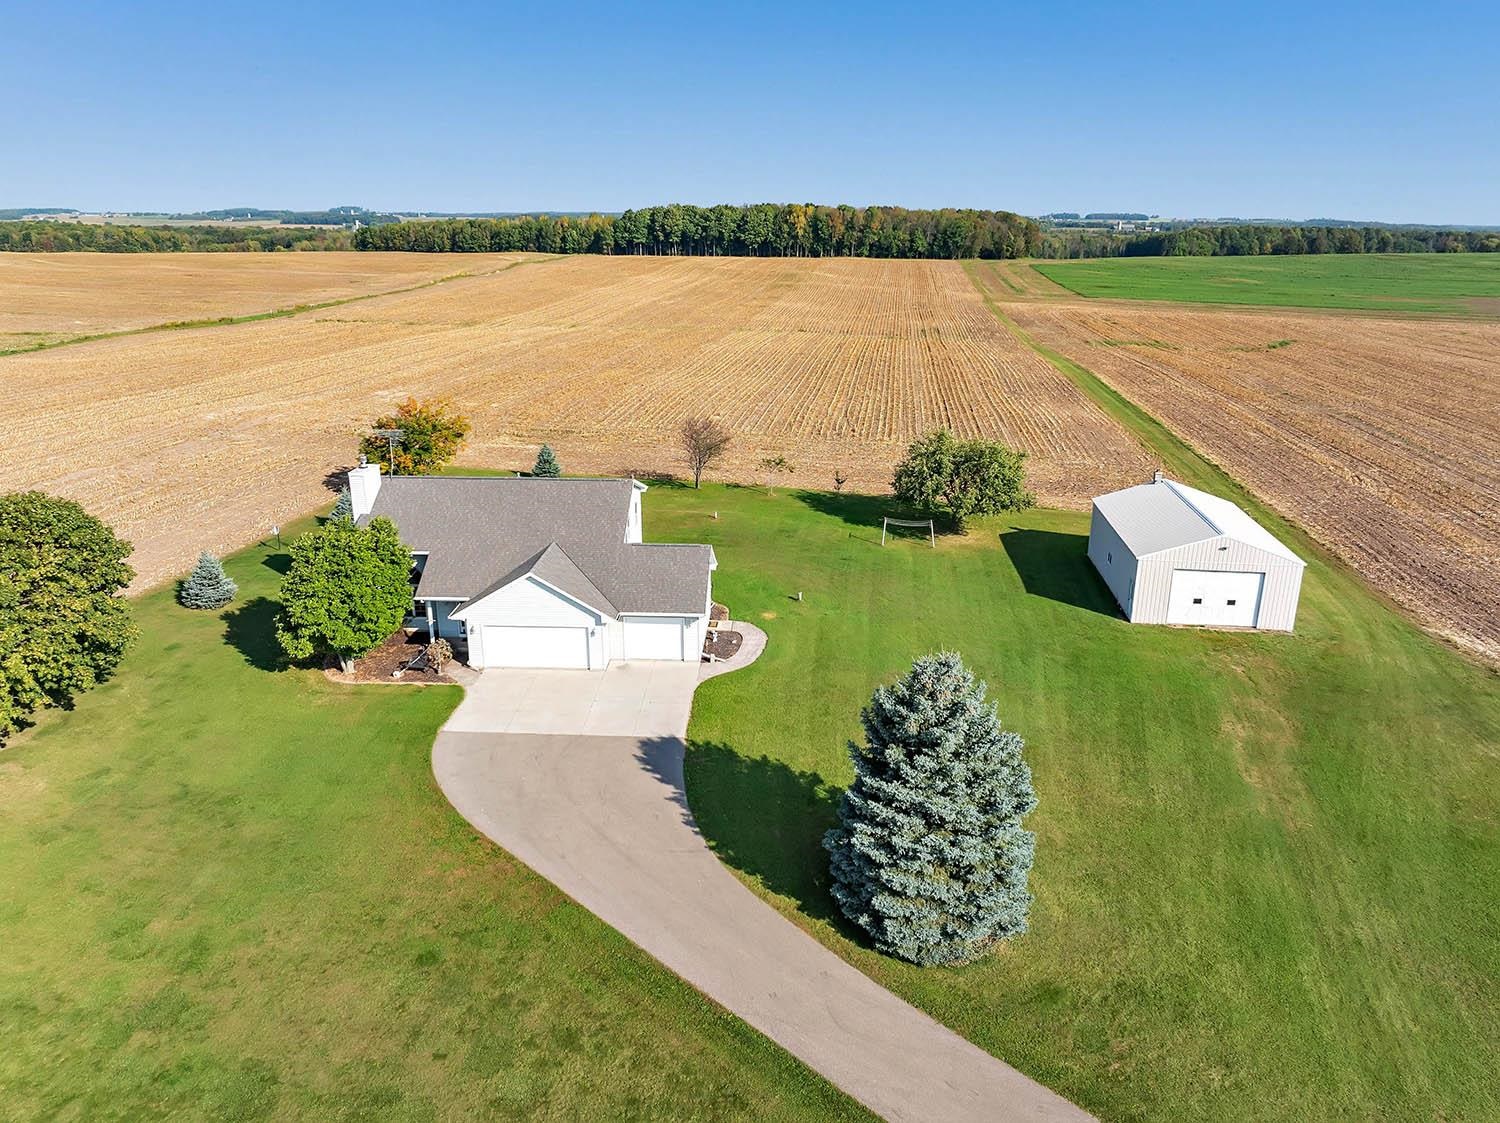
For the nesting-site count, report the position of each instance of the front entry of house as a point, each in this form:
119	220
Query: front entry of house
510	645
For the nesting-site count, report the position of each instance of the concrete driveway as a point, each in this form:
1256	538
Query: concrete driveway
635	699
605	818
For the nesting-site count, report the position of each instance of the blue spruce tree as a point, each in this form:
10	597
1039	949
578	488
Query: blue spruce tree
546	465
344	508
929	856
208	586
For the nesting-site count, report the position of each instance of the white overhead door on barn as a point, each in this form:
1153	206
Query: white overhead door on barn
654	637
511	645
1216	600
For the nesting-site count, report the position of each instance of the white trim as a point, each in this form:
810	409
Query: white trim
569	597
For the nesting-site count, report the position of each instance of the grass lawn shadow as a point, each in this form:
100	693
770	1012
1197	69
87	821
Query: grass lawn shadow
852	508
251	630
1055	565
278	563
767	820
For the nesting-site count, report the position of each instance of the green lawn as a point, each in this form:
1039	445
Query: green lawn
1412	282
1268	866
1266	882
228	891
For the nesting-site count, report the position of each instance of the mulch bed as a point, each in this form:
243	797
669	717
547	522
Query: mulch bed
722	644
378	665
718	612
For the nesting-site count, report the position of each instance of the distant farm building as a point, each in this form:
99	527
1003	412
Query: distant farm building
1172	554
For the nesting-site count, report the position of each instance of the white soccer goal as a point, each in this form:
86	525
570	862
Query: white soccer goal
887	523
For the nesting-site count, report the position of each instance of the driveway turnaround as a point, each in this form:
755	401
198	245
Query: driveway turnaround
605	818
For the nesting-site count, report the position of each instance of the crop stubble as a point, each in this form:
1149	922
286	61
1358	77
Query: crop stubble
205	438
1380	435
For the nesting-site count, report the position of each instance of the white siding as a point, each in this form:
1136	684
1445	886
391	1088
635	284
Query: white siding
1278	599
1114	561
527	603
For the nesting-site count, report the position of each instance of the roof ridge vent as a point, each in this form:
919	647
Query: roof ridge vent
1191	506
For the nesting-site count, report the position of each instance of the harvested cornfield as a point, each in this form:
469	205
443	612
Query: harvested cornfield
204	438
45	297
1381	436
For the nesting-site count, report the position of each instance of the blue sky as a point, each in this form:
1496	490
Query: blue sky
1375	110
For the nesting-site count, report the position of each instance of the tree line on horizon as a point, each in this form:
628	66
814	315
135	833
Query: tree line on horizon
758	230
1256	241
761	230
63	237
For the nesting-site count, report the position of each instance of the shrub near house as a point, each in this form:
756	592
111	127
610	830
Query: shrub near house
348	588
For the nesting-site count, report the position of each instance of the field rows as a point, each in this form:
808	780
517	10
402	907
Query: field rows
205	438
49	296
1381	436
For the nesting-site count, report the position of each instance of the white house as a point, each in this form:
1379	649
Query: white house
542	572
1172	554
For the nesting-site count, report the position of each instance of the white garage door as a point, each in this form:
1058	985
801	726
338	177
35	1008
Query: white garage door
653	637
507	645
1219	600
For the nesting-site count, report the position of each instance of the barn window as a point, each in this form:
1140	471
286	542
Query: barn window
1229	602
1197	600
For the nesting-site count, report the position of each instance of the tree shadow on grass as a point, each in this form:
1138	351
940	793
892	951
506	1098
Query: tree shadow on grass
850	507
759	816
868	511
1055	565
251	630
278	563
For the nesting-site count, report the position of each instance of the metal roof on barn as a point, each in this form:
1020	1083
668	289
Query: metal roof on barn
1165	514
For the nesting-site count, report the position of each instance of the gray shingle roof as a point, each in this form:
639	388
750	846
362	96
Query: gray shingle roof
481	533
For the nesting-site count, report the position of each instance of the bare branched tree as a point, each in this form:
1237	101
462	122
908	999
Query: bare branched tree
703	442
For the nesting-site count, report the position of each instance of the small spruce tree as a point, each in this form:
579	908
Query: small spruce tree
929	856
546	465
208	586
344	508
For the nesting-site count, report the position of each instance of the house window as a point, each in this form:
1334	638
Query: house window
1197	600
1229	602
1110	558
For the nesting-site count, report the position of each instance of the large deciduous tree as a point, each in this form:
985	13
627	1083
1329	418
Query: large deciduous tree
703	441
943	475
431	435
929	856
63	624
347	589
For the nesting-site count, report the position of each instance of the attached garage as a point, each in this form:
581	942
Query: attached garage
545	573
655	637
1172	554
511	645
